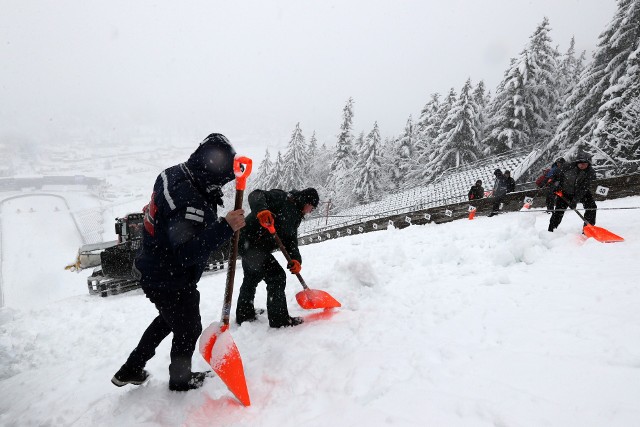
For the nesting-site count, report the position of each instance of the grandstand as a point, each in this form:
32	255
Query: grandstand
452	186
89	224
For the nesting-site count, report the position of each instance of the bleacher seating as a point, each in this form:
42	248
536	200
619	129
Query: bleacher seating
89	223
451	187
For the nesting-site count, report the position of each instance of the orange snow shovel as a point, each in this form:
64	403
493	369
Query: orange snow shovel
216	344
308	299
600	234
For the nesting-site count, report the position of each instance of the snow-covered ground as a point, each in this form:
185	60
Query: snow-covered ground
491	322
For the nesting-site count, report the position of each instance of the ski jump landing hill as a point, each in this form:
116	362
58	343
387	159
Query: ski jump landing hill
446	200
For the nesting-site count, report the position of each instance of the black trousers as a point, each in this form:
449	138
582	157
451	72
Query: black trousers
497	200
550	199
587	202
178	312
259	265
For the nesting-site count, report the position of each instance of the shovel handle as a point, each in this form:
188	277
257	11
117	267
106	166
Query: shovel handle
286	255
241	180
559	194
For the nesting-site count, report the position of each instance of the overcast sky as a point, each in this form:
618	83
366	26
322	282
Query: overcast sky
252	69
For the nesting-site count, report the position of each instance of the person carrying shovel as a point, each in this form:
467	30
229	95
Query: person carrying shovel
575	181
285	211
181	229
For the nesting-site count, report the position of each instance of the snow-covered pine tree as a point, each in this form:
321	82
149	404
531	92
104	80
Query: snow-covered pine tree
295	160
618	109
506	128
445	106
597	97
405	160
368	172
343	161
319	166
264	172
459	143
625	132
312	149
480	98
388	149
359	147
277	173
427	128
523	111
480	94
569	69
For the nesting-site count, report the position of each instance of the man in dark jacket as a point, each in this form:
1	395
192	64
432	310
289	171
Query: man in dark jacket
511	183
551	185
285	211
181	229
574	181
476	192
499	191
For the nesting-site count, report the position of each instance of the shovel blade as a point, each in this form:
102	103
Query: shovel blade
221	353
601	234
310	299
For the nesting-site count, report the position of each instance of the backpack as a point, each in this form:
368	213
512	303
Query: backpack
542	179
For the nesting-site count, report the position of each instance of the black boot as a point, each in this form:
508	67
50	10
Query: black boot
246	315
196	381
129	376
286	322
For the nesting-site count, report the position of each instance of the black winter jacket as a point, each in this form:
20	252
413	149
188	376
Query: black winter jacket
181	229
287	217
476	192
573	181
500	187
511	184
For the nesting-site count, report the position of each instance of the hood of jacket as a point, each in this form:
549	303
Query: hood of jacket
211	165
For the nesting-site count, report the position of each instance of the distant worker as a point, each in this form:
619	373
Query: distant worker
546	181
511	183
285	211
574	183
476	192
499	191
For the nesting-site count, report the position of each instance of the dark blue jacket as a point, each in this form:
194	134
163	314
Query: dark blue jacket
181	229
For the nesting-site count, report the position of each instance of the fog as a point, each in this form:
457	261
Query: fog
165	72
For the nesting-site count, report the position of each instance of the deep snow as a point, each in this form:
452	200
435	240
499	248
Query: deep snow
493	321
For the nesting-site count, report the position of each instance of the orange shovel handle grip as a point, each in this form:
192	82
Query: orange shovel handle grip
242	175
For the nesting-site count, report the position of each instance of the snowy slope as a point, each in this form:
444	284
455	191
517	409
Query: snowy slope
34	252
487	322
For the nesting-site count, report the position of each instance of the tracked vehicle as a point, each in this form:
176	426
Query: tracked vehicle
112	261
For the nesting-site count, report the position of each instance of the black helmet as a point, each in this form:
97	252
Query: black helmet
561	161
212	163
308	196
497	172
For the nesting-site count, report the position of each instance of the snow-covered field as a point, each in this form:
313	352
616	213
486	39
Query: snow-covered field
490	322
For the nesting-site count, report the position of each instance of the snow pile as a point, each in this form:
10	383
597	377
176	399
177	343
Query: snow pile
493	321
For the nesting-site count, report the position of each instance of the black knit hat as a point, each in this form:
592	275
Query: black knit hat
497	172
308	196
561	160
583	157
